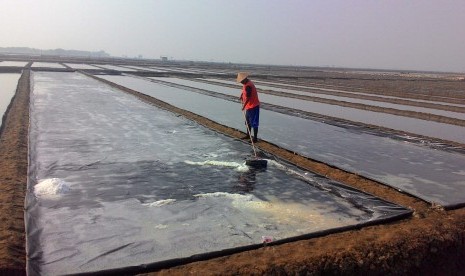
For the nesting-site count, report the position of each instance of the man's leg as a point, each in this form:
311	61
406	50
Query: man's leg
255	119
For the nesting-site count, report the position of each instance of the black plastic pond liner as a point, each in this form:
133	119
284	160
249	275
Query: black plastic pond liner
433	175
393	213
309	109
210	255
122	157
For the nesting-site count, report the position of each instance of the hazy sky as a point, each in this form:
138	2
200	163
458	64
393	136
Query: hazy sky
395	34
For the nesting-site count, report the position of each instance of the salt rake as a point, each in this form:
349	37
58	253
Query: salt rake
254	162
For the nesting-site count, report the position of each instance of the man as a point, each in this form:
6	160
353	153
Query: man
251	104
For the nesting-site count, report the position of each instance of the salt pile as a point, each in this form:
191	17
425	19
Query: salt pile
237	199
160	202
238	166
51	186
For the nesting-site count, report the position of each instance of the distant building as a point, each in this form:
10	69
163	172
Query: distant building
164	58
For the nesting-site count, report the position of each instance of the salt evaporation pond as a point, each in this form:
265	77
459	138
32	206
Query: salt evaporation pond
412	125
159	69
13	63
81	66
46	65
8	84
294	88
116	68
144	68
433	175
451	114
196	71
115	182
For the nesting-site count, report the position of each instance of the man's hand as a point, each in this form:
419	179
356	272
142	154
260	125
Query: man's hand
244	104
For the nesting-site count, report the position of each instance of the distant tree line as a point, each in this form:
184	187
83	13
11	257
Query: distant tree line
54	52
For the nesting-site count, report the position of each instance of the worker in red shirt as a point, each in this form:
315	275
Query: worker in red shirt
251	104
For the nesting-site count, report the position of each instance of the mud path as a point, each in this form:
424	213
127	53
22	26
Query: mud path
13	177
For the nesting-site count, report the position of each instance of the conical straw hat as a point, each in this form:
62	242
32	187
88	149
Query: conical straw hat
241	76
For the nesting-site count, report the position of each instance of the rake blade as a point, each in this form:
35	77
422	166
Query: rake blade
256	163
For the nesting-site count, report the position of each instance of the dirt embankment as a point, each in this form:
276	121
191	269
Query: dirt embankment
13	179
433	245
446	91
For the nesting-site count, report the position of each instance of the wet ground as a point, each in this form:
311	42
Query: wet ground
9	83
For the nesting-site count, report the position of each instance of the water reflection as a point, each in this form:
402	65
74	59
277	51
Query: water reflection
8	83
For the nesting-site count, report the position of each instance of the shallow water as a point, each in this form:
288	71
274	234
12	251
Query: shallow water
368	102
13	63
47	65
412	125
8	84
433	175
146	185
141	68
295	88
117	68
451	114
81	66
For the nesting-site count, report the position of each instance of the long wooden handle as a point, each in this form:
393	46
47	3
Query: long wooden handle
250	133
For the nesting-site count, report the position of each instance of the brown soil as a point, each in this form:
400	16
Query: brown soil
433	245
433	86
431	242
13	177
